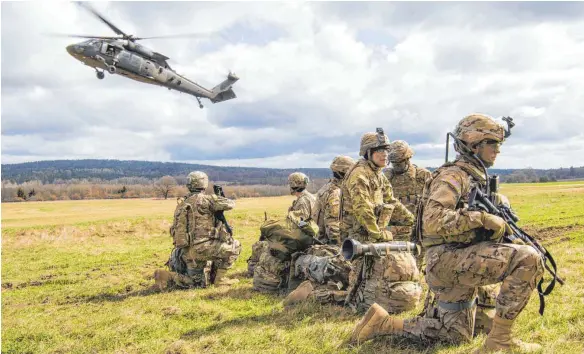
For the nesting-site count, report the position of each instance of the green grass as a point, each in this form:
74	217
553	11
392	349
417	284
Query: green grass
76	278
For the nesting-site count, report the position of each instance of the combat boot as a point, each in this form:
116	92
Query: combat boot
221	280
376	322
301	293
499	339
163	279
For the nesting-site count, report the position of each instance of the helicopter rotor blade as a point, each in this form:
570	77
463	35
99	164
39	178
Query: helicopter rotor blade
80	36
98	15
182	35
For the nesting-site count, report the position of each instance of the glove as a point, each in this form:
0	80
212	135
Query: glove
518	241
386	235
501	199
499	227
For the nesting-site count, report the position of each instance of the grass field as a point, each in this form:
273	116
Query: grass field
76	278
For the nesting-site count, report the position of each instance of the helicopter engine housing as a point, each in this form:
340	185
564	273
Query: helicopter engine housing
140	49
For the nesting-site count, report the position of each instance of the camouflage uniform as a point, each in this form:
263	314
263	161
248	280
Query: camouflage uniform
407	185
367	207
328	201
271	273
256	250
457	264
209	239
323	266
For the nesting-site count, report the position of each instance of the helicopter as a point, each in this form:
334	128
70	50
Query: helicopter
121	55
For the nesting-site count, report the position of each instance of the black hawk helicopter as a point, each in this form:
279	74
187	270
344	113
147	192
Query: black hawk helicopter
123	56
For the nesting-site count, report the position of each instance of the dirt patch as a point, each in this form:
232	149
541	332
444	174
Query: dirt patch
551	233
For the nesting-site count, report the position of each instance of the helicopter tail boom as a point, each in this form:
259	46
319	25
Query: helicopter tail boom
223	91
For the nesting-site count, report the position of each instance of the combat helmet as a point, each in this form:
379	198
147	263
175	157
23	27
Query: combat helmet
372	141
341	164
297	181
197	180
477	127
399	150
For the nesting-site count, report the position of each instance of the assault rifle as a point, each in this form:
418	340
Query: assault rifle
478	200
219	215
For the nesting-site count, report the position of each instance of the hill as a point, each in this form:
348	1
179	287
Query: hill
60	171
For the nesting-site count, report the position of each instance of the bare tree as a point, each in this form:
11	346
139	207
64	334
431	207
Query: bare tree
164	186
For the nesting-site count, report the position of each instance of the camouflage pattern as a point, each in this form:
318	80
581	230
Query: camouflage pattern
298	180
270	273
208	242
326	212
342	164
399	150
327	271
407	188
486	302
367	197
302	207
256	250
454	274
476	127
457	266
197	180
391	281
372	141
367	206
444	217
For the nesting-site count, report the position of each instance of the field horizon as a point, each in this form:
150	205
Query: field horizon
77	277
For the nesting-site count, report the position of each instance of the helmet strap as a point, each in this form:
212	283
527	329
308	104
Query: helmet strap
338	175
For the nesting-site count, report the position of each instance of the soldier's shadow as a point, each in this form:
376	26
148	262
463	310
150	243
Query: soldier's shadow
108	297
394	344
287	320
240	293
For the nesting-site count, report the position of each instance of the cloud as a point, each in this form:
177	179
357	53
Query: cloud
314	78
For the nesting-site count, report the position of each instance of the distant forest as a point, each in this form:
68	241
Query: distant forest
99	179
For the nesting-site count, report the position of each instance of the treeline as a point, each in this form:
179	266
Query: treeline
530	175
164	188
63	171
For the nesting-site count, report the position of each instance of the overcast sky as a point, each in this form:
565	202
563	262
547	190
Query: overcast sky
313	78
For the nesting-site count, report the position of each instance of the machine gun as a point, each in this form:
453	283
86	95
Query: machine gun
478	200
219	215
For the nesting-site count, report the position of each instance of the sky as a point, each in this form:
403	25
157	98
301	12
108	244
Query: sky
314	77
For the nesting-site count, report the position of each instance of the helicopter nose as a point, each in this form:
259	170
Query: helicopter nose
70	49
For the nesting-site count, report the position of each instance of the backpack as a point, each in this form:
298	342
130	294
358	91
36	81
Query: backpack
285	238
183	224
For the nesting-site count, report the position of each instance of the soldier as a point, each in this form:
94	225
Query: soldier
303	206
457	260
367	207
270	272
325	259
328	202
199	237
407	181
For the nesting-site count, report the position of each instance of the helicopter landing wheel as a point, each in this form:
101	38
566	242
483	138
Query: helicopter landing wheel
100	75
200	104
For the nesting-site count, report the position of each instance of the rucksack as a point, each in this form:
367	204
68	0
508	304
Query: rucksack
285	238
183	224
